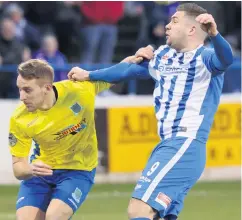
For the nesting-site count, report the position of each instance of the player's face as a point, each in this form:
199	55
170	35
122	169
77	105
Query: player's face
32	94
176	30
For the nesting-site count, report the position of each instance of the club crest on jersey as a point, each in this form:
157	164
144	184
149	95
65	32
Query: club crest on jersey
188	55
72	129
12	140
165	57
76	108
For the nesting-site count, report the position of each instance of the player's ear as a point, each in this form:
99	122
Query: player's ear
48	87
192	30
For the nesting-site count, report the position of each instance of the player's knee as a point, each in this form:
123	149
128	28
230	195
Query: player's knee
58	215
29	213
138	208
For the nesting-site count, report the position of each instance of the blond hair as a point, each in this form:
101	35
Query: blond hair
36	69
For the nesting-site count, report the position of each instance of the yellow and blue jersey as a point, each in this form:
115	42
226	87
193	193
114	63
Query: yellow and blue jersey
64	135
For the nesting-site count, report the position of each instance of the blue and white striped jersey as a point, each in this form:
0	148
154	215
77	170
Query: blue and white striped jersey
188	86
187	92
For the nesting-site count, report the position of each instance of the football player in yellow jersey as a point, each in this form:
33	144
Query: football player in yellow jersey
59	119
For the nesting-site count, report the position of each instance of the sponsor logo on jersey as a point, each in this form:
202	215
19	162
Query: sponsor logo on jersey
144	179
163	199
138	186
172	69
72	129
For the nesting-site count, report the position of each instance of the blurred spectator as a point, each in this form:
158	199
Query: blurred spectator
232	77
153	20
67	28
42	14
3	5
100	30
11	52
25	32
49	52
215	8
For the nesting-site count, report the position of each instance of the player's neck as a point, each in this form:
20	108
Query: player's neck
49	101
190	47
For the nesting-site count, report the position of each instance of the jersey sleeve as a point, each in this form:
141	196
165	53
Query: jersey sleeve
19	142
211	62
101	86
217	60
121	72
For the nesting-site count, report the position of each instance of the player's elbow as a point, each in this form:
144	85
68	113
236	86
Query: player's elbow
18	176
228	59
21	175
21	169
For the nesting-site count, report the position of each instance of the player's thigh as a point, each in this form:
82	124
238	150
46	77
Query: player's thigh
58	210
138	208
70	193
33	199
30	213
171	169
177	205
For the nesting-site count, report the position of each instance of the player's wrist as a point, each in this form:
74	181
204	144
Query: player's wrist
129	59
214	34
87	75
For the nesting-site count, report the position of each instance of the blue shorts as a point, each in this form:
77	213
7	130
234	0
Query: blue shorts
172	169
69	186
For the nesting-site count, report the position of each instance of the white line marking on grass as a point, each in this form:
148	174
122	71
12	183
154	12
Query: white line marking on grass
118	194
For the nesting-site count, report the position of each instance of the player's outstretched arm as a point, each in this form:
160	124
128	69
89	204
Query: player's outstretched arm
23	170
129	68
222	56
114	74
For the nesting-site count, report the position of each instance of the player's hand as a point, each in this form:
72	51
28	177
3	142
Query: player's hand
208	24
78	74
132	59
145	52
39	168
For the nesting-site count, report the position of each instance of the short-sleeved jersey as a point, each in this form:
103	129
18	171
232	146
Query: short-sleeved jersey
64	135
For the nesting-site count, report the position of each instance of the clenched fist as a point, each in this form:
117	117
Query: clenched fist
78	74
208	24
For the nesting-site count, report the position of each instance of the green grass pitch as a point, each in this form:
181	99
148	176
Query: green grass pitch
206	201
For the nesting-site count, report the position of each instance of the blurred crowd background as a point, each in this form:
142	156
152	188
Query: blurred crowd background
94	34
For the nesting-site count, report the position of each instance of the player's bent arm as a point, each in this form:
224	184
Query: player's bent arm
21	168
121	72
219	59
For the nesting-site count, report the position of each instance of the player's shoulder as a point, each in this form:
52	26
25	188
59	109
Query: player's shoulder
68	86
161	48
206	55
207	52
73	84
20	111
